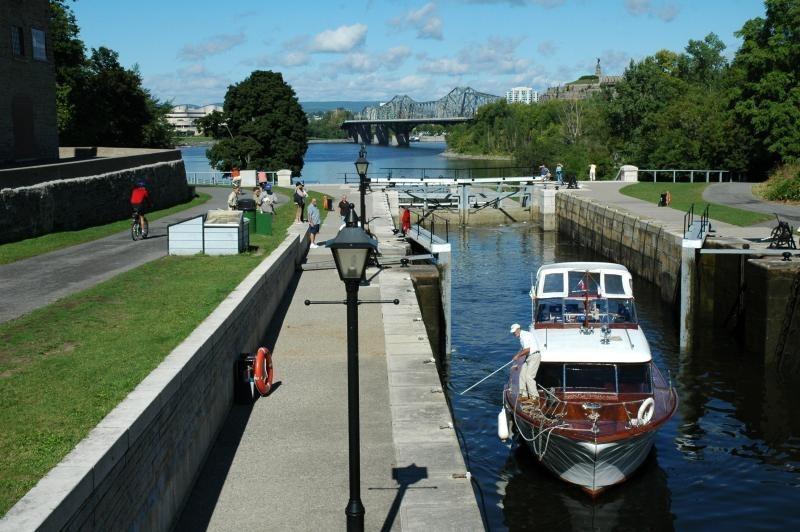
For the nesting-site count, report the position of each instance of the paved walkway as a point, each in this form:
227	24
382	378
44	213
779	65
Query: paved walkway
38	281
282	463
740	195
607	193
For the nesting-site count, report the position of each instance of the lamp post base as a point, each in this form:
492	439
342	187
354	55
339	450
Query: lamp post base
355	516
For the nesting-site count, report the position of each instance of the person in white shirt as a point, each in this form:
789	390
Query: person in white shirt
527	375
592	170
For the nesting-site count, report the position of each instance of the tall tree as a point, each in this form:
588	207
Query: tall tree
766	83
265	110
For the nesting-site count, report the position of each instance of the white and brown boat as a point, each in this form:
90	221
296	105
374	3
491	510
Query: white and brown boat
601	398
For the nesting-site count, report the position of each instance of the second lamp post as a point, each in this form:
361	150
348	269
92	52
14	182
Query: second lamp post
362	165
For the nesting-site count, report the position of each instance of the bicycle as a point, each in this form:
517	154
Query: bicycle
137	231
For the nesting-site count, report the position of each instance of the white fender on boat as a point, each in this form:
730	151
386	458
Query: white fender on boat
502	425
646	410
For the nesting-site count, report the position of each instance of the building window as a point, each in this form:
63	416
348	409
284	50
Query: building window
17	42
39	49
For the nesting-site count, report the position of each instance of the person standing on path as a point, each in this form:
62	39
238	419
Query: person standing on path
344	207
592	169
233	198
527	376
560	174
405	220
313	222
299	201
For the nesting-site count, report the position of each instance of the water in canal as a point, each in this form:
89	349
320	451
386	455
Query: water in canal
728	459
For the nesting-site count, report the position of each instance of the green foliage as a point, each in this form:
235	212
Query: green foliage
328	125
267	124
783	184
212	125
98	101
689	110
766	83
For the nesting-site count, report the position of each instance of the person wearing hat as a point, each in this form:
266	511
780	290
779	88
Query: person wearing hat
527	375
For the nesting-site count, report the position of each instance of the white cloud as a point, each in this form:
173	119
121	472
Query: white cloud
495	55
425	20
394	57
341	40
211	46
292	59
547	48
448	66
359	62
542	3
666	11
193	84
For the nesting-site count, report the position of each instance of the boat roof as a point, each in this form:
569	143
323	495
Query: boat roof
583	266
606	278
625	346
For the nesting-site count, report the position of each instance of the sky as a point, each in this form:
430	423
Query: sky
191	51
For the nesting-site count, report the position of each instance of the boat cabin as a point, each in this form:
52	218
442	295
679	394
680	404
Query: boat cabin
579	294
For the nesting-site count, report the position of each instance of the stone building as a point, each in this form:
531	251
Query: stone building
582	88
28	127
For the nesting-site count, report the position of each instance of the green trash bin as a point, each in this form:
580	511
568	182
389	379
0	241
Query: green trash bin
251	215
263	223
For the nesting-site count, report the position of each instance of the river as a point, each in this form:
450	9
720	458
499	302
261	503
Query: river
730	457
329	162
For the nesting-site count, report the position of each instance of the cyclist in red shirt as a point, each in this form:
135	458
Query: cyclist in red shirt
140	199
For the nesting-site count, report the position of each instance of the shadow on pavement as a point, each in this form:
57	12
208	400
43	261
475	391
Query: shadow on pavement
405	476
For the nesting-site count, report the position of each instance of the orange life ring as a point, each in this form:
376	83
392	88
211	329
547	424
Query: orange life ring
263	371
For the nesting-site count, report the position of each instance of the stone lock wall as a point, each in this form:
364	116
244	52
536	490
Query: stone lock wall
136	468
70	204
642	246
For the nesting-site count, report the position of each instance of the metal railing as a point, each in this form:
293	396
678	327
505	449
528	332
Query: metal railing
691	173
460	173
688	221
433	223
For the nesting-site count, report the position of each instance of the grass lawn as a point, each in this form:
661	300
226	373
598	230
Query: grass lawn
65	366
39	245
684	194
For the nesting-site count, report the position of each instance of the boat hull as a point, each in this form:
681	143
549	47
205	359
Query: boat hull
594	466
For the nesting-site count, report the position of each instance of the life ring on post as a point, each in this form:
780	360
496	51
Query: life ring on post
646	410
262	371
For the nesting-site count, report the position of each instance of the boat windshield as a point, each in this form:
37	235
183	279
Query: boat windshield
595	378
579	310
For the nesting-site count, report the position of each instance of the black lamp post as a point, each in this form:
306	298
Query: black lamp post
351	249
362	164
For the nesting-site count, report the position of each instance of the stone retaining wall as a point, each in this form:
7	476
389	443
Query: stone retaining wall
70	204
135	469
643	246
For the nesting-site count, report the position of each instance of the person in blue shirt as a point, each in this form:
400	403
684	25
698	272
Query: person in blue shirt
560	174
544	172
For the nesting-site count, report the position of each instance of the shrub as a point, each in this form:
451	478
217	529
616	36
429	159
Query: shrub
783	184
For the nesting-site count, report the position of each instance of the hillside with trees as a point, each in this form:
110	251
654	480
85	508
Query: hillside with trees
326	125
693	109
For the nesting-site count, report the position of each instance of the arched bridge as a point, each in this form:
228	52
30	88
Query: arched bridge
400	114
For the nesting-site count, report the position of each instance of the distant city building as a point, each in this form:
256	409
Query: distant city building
183	116
522	95
583	87
28	127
